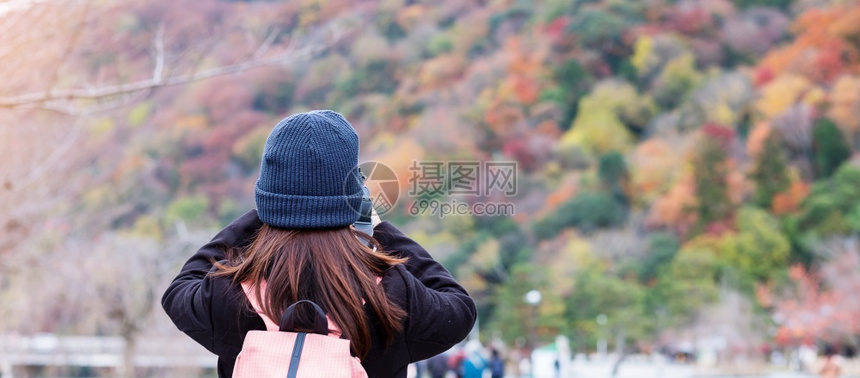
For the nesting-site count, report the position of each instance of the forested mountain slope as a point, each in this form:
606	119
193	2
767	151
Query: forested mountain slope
683	166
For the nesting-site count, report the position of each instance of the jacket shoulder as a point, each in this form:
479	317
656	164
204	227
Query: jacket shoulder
395	284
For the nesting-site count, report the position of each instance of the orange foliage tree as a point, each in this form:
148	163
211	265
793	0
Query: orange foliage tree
825	45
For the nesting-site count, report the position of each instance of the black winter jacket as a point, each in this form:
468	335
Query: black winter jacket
216	313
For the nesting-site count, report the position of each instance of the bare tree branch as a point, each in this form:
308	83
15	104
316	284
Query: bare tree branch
267	43
158	44
50	99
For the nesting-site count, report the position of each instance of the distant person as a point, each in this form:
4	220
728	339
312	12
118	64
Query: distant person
515	357
829	367
385	293
419	368
474	363
525	367
437	366
455	362
497	365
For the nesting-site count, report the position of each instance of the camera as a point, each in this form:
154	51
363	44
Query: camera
364	222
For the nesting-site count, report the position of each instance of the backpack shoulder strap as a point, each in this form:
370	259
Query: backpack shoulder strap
320	319
271	325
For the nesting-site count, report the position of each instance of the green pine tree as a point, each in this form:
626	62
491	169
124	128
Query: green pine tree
830	147
712	189
770	173
612	170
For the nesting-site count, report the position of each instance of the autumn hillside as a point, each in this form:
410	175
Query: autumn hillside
685	168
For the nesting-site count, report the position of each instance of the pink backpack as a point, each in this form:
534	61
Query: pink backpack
281	352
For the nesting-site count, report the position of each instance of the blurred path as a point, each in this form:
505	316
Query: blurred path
637	369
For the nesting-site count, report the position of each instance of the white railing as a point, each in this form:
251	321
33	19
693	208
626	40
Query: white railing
94	351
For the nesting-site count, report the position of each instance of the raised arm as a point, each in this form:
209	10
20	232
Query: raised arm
188	298
441	313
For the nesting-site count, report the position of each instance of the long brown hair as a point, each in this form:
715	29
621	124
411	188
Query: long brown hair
331	267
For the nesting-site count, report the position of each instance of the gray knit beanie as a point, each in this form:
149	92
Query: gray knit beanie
309	174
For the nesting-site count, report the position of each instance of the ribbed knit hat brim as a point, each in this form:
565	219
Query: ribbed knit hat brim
282	210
